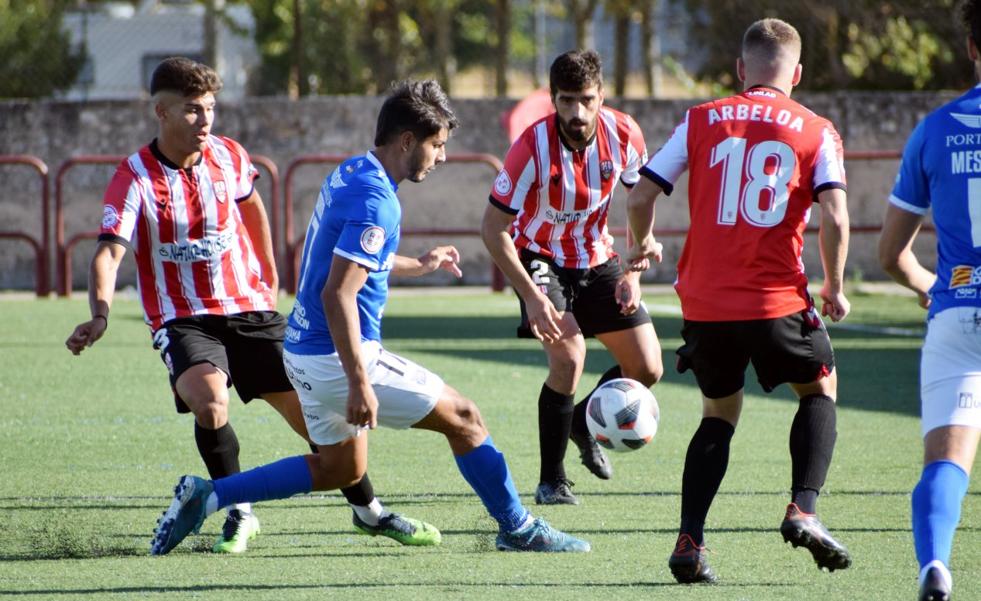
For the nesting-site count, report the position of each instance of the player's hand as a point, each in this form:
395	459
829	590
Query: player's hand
543	319
362	407
924	299
86	334
642	252
628	294
446	258
835	305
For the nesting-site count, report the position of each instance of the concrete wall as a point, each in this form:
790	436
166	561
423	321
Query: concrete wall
452	197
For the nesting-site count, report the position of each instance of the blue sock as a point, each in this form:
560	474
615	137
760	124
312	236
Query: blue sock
279	480
486	471
936	510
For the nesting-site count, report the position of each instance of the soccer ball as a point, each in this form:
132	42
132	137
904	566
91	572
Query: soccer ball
622	415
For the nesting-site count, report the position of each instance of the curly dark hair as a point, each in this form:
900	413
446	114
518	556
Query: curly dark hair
971	16
575	71
420	107
184	76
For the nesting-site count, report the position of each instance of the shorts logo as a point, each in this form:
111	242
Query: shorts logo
221	193
109	217
966	400
372	239
965	275
606	169
502	185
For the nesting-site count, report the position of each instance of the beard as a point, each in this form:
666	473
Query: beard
583	133
417	168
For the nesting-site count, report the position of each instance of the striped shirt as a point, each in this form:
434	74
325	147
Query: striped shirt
193	253
560	196
756	163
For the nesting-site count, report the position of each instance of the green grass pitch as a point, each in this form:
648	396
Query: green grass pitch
90	448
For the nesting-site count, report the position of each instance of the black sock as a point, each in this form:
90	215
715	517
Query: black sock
218	449
812	442
579	413
554	426
360	494
705	466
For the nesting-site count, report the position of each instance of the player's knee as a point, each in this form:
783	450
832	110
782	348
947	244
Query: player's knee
566	364
647	374
468	425
210	413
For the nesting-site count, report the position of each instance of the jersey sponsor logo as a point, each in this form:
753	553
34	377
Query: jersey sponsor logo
965	275
962	140
755	112
973	121
606	169
963	293
292	334
202	249
372	239
965	161
565	217
221	192
109	217
502	185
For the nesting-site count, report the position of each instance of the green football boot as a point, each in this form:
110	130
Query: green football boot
238	530
407	531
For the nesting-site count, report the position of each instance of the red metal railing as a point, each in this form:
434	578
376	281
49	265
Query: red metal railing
66	248
41	249
295	244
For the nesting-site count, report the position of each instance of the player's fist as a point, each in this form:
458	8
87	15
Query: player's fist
835	305
86	334
446	258
641	254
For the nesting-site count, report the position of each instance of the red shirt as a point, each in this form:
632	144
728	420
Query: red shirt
756	163
193	253
561	196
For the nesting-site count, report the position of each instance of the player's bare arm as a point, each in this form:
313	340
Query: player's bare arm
543	318
833	239
340	300
640	219
257	224
102	286
446	258
896	253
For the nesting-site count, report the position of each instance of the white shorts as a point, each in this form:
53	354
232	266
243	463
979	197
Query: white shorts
950	370
406	392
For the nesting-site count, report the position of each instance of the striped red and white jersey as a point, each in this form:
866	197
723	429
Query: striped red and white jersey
193	253
560	196
756	162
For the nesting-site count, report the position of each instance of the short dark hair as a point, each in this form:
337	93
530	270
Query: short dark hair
575	71
420	107
971	16
769	37
184	76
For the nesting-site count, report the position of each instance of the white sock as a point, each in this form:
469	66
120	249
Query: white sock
244	508
528	521
944	572
371	514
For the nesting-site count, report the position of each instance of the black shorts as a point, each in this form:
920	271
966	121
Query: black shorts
590	294
794	349
248	347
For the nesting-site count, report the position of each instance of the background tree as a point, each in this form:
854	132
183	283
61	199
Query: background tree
38	58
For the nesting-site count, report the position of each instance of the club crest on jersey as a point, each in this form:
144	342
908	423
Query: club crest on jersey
372	239
606	169
109	217
502	185
221	193
965	275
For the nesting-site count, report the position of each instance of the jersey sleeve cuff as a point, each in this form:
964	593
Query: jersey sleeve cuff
372	265
502	206
829	186
251	190
113	238
902	204
665	185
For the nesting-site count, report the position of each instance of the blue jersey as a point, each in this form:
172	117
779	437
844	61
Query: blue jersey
357	217
942	168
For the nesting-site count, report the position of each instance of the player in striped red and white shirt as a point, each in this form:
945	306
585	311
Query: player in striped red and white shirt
187	206
758	162
546	228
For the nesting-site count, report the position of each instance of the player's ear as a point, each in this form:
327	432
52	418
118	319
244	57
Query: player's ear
406	140
972	49
741	69
798	70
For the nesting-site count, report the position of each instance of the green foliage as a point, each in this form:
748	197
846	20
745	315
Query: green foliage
38	59
847	44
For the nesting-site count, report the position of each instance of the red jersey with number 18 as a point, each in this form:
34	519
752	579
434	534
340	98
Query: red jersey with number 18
756	163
